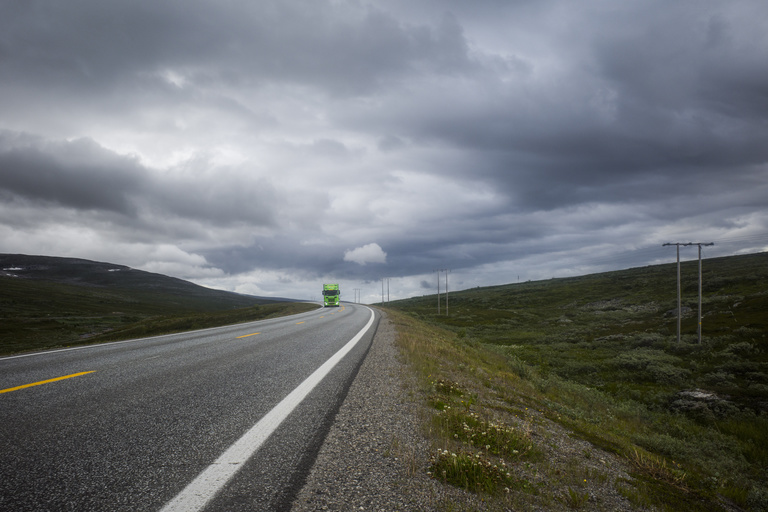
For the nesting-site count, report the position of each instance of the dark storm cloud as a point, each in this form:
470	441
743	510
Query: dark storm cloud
81	175
84	46
78	174
277	252
649	105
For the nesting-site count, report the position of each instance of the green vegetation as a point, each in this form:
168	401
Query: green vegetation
598	355
55	302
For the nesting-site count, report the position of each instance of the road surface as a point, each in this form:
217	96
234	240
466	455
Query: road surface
221	419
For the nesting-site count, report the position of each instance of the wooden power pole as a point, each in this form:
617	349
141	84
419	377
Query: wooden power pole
679	306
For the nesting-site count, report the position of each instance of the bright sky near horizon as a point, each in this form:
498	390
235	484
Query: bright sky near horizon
269	146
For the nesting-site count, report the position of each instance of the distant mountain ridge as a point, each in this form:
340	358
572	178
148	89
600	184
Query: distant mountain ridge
82	272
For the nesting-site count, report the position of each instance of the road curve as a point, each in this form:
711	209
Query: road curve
132	425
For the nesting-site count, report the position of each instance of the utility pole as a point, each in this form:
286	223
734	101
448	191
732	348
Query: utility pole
446	291
438	288
384	279
679	307
710	243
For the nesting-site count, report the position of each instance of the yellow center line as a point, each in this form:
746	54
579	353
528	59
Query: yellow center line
297	323
246	335
45	382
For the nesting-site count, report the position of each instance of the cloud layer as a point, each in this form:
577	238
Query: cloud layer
266	147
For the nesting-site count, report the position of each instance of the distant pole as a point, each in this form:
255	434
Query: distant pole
446	291
382	290
679	307
699	294
387	289
679	303
438	289
710	243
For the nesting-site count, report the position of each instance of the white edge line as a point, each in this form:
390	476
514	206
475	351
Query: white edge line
203	488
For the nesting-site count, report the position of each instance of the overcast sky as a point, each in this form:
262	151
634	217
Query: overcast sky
268	146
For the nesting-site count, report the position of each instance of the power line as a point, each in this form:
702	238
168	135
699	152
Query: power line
642	255
753	238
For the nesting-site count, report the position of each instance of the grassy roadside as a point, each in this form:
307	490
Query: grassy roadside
574	394
525	441
78	322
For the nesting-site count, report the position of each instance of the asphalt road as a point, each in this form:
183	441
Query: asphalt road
159	419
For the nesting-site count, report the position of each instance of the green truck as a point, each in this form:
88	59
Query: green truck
331	295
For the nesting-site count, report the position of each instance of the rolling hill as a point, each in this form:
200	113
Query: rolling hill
49	301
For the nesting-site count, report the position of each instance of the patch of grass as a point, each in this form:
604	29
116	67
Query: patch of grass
575	499
474	472
490	437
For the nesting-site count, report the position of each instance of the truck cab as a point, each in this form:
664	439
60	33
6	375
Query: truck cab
331	295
